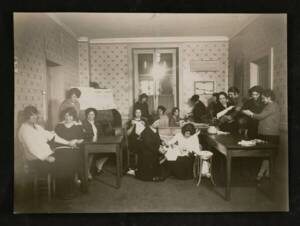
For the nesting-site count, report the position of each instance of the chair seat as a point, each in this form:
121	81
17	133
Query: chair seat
205	154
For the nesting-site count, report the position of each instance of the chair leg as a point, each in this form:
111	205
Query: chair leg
35	187
195	167
211	172
53	187
49	186
200	171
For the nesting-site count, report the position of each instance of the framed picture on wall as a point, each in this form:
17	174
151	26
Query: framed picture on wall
204	87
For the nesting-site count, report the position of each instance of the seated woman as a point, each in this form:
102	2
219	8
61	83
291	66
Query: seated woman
148	167
174	120
134	129
35	141
185	144
68	159
91	134
163	118
222	113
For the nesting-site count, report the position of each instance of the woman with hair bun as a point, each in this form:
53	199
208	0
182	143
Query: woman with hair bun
72	101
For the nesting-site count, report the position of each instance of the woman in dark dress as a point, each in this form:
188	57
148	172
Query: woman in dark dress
134	130
174	120
68	159
222	111
255	105
199	113
148	168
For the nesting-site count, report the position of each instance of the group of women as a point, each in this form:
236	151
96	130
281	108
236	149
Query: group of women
60	151
256	117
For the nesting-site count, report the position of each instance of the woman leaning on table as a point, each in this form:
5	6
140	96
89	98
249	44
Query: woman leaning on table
268	127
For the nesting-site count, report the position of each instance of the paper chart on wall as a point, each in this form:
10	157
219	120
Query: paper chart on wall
100	99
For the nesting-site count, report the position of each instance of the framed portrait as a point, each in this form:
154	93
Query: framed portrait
204	87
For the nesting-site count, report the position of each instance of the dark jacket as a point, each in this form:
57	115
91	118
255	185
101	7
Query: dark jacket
199	112
88	130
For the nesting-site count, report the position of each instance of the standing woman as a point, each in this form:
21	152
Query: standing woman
163	118
174	120
268	127
91	134
148	167
68	159
142	105
72	101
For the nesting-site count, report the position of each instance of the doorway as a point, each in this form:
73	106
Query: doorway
156	74
55	93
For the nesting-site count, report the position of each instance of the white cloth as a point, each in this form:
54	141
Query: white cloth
182	146
139	126
34	141
95	131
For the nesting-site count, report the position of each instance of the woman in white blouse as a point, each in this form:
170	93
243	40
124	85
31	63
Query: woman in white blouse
91	132
183	146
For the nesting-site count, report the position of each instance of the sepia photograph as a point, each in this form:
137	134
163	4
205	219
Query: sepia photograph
150	112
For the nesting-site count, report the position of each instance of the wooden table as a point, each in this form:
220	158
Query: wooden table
228	146
106	144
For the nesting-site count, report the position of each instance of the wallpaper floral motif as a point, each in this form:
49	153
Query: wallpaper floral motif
109	68
37	38
204	51
84	66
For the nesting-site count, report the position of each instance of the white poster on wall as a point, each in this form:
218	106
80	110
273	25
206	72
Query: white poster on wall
100	99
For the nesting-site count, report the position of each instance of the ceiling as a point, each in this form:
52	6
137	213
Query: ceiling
134	25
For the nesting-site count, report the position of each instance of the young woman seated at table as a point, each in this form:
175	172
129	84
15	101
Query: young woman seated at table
174	120
222	113
91	134
184	145
268	126
134	129
68	160
148	166
163	118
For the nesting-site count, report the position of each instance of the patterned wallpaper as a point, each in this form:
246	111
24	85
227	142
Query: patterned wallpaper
84	65
109	67
37	38
204	51
255	41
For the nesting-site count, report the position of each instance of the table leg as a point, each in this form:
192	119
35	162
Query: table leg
228	178
85	171
118	167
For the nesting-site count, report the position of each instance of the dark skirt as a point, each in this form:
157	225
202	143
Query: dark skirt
67	163
148	166
182	168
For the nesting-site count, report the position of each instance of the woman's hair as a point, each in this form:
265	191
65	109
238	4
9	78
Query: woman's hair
268	93
188	127
71	111
143	95
222	93
29	111
161	108
257	89
72	91
194	98
174	109
215	95
233	89
87	111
